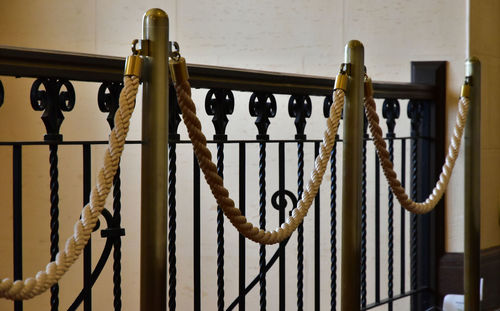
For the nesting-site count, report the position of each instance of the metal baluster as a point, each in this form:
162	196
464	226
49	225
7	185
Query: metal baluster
172	270
87	255
363	215
333	211
262	106
377	228
414	112
54	219
17	214
196	235
390	111
117	254
262	223
241	242
333	227
220	235
173	124
282	202
317	261
52	100
220	103
300	229
299	106
403	221
108	101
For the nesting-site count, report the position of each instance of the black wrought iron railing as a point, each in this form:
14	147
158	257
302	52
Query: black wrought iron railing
398	261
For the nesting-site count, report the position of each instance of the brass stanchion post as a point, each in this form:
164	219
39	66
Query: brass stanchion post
351	178
154	163
472	215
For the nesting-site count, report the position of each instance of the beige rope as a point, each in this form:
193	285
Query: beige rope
388	168
216	183
33	286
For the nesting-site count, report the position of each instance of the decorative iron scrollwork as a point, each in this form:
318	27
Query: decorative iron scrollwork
262	106
391	111
219	103
110	234
52	100
415	113
174	112
108	98
300	107
281	204
327	103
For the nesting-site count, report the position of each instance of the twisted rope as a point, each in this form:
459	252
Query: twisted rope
388	167
33	286
216	183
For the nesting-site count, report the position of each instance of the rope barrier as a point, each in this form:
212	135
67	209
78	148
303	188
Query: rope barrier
44	279
388	167
33	286
216	183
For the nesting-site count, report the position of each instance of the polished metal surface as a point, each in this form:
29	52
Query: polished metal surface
133	66
154	163
179	70
472	210
351	179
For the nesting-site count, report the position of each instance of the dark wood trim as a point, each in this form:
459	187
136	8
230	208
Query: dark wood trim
430	155
33	63
451	276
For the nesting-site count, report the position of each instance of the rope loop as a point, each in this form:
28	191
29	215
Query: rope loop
216	183
33	286
388	167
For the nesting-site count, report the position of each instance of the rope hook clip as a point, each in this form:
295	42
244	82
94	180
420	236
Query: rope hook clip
341	80
465	91
133	63
368	86
177	64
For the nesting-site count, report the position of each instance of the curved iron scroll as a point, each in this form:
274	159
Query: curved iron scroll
276	204
110	234
108	99
276	254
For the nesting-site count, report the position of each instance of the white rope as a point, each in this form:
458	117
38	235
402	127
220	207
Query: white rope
33	286
388	167
216	182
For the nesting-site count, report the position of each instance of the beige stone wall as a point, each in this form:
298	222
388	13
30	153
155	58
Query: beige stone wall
289	36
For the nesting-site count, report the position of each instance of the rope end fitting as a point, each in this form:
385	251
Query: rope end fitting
177	64
341	80
178	69
133	63
465	91
368	87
